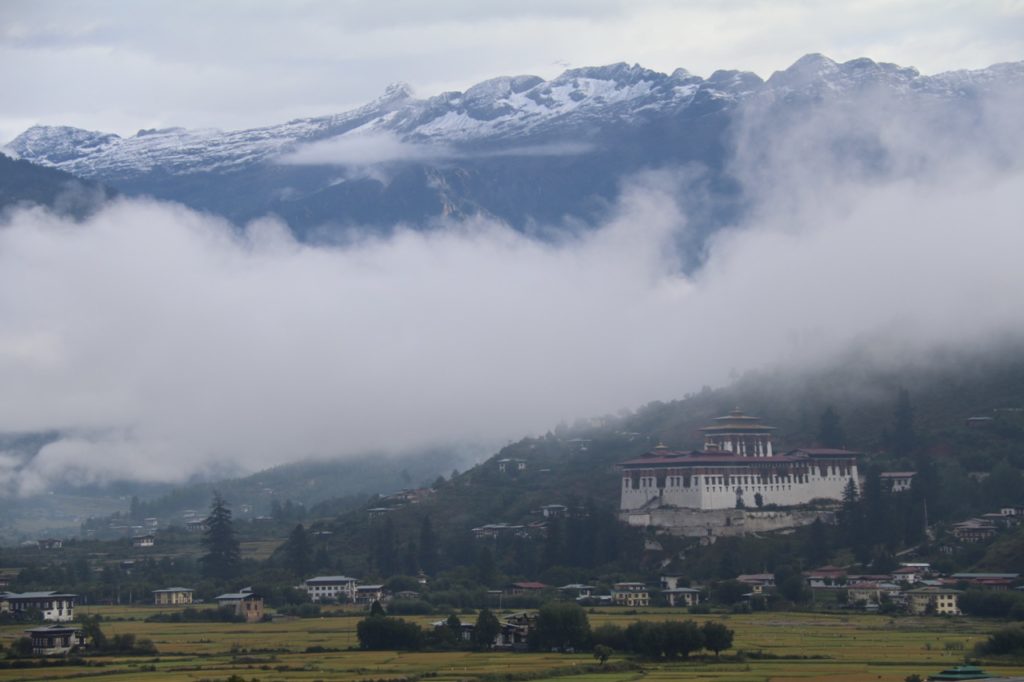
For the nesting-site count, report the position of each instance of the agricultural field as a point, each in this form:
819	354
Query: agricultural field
777	646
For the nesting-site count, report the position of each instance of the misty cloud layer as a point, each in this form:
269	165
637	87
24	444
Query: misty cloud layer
162	342
384	147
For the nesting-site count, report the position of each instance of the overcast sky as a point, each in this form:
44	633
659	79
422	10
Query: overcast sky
122	65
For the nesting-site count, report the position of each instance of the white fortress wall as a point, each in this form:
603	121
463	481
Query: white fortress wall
711	491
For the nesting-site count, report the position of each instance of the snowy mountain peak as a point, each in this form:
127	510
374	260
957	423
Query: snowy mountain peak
396	92
620	73
507	111
809	68
53	145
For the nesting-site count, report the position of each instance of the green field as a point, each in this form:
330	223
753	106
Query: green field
852	648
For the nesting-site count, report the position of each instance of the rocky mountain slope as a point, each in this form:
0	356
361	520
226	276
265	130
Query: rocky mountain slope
521	149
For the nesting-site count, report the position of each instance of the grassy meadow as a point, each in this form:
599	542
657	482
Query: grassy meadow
796	646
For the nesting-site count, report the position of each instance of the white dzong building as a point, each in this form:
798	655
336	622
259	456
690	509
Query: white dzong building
738	468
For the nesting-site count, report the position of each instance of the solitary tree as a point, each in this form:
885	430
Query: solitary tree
223	559
298	552
486	630
602	652
455	625
717	637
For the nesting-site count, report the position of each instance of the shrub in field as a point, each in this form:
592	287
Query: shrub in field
224	614
301	611
410	607
561	625
610	635
1006	642
992	604
387	633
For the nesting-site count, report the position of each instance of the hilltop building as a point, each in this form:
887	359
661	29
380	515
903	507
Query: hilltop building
738	470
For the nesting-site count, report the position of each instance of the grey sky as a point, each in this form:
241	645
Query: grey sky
120	65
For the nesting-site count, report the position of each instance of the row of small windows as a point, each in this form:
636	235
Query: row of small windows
758	479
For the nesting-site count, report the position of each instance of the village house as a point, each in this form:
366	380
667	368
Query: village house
525	587
576	591
50	543
406	595
143	541
897	481
1000	520
682	596
974	530
493	531
50	640
941	601
378	512
410	495
988	581
367	594
910	574
332	587
871	593
826	576
465	633
196	526
245	603
511	465
53	606
757	581
172	596
630	594
980	422
554	511
515	630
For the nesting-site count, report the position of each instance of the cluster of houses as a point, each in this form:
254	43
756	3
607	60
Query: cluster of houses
914	587
983	528
512	634
532	530
402	498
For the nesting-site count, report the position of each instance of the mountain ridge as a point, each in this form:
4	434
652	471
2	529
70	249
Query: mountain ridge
519	149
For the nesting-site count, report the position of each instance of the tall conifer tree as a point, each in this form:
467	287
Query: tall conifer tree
223	558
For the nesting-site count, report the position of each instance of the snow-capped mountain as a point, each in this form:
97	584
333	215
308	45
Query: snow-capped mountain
519	148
